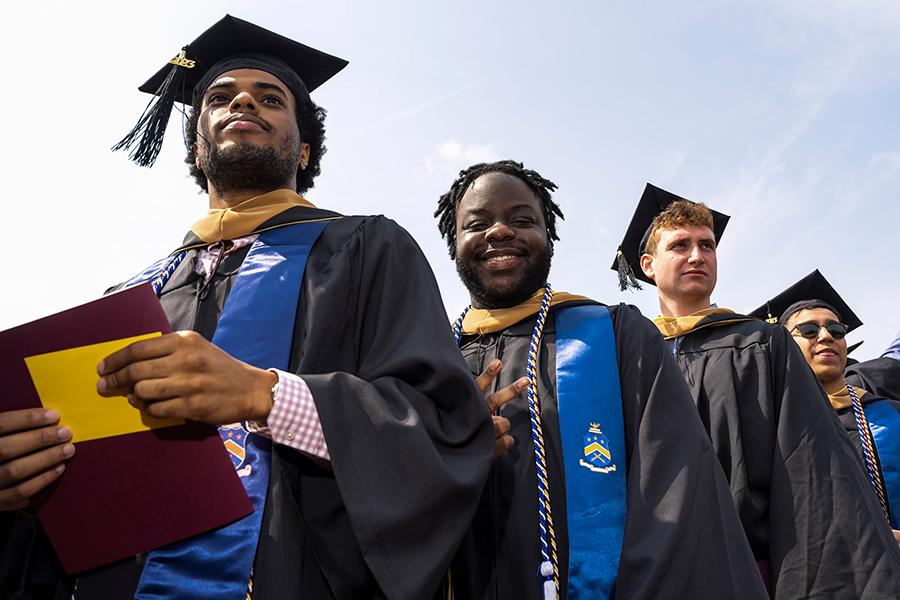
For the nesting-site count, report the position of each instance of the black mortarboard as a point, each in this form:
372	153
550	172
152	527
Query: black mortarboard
813	291
229	44
653	201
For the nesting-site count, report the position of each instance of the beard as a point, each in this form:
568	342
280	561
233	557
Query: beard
245	166
533	277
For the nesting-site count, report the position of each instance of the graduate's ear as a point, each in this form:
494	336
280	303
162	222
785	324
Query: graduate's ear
647	265
304	155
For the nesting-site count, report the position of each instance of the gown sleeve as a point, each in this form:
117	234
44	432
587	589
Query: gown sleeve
683	538
408	432
879	376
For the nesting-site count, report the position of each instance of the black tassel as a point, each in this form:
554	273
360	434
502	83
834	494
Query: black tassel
626	275
144	141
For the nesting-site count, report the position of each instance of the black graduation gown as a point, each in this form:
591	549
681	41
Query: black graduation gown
408	433
682	536
880	376
803	499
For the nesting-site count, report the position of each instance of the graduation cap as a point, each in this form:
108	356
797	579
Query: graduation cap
813	291
653	201
229	44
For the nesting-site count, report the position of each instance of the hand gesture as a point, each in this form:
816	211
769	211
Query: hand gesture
502	440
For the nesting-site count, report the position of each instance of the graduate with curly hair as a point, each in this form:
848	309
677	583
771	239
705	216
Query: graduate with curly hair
813	525
320	338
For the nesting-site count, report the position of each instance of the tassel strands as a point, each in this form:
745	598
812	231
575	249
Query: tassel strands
145	139
625	272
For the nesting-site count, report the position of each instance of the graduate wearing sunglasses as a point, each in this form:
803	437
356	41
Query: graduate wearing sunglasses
819	321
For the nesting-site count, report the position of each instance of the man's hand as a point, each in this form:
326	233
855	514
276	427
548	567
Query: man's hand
181	375
896	536
32	452
502	440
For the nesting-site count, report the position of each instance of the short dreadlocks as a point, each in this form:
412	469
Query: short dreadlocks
446	210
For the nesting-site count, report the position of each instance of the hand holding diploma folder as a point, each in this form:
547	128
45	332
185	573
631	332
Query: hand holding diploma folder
134	483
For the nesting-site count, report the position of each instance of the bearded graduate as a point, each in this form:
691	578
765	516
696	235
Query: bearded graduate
322	337
819	319
812	532
608	486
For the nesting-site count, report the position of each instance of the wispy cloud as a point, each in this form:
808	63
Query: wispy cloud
672	163
759	188
856	190
417	108
453	155
862	19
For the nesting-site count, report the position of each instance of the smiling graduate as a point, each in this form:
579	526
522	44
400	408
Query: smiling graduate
611	488
819	319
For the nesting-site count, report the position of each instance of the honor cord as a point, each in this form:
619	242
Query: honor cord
865	437
549	568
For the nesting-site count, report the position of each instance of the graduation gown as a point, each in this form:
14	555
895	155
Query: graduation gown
879	376
407	430
804	501
682	537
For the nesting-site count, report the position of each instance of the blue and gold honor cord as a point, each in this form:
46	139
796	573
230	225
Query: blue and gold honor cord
865	437
549	569
160	280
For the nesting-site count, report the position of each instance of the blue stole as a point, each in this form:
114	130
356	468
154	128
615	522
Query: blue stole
257	327
593	442
884	422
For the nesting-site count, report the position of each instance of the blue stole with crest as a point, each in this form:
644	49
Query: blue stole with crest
257	327
884	422
592	431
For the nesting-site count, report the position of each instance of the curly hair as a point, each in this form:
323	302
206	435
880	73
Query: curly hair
311	123
678	214
542	188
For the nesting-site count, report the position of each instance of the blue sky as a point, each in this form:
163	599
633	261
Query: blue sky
780	113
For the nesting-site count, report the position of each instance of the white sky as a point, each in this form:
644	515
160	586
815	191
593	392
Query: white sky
780	113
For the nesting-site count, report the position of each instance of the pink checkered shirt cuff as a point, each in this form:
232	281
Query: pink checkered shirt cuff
294	420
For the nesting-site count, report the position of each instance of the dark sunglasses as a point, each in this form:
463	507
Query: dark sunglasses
811	330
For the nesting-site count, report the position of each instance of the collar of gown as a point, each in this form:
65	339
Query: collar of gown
490	320
841	400
673	327
244	218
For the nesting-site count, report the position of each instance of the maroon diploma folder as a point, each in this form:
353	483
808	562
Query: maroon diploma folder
127	489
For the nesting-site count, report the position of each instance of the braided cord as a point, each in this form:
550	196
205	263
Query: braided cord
160	280
457	325
550	563
865	436
545	515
